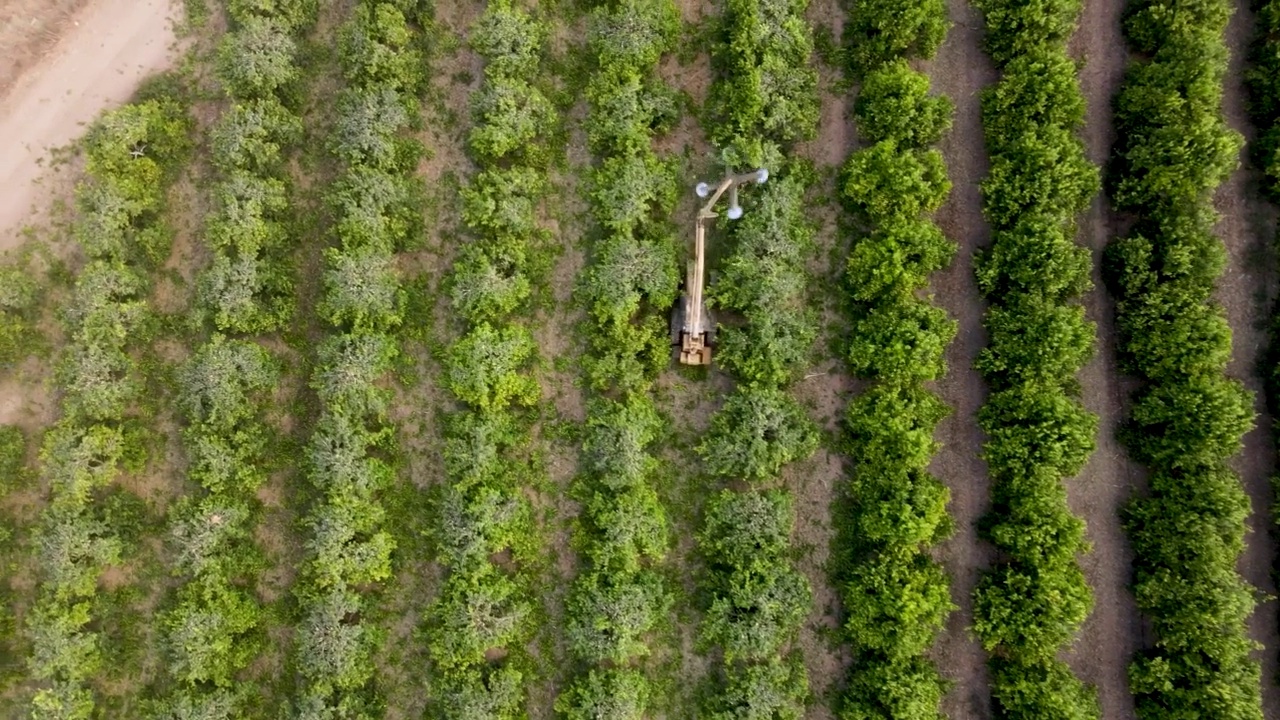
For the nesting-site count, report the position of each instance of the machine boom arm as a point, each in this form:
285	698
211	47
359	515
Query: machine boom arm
695	348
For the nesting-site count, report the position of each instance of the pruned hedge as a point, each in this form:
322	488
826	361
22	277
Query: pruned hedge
213	630
119	226
349	549
1186	420
896	596
620	596
1032	602
763	100
479	625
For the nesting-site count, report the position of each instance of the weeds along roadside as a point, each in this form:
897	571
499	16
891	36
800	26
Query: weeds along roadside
896	595
1187	418
763	98
374	204
132	157
478	629
1030	606
213	629
620	596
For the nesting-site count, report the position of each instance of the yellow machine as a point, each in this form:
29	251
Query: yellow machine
692	330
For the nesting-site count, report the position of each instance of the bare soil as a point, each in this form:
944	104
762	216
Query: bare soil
1246	290
105	51
960	71
1113	631
28	30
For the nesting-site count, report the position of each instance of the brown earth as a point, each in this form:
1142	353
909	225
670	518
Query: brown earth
28	30
960	71
1113	630
106	51
1246	289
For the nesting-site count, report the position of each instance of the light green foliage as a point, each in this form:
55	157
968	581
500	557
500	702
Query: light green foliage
485	368
258	60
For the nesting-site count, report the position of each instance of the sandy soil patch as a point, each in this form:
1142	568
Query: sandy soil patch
106	50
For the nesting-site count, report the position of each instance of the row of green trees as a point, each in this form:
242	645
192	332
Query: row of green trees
374	209
623	536
763	100
480	622
1187	418
248	287
1032	602
213	631
130	156
896	596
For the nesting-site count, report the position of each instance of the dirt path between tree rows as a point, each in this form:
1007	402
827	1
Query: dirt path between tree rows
106	50
1113	630
1245	290
960	71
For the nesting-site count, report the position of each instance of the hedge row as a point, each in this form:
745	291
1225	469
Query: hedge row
1187	419
248	287
481	621
373	201
896	596
98	438
1032	602
1263	80
623	535
766	94
213	631
764	99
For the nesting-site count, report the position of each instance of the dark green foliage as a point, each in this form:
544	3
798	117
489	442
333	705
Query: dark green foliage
13	457
1263	80
1187	419
18	296
766	95
1033	602
349	551
880	32
757	432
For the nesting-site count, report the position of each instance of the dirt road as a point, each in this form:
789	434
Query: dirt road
960	71
104	52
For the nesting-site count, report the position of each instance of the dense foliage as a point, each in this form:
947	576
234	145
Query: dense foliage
478	625
1263	79
895	595
766	93
121	233
349	551
620	595
1187	419
1034	600
763	99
